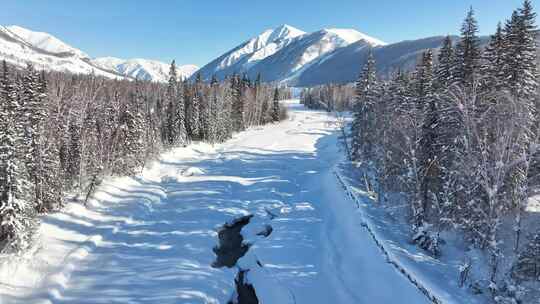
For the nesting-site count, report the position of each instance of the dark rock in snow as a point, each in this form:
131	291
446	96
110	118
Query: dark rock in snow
245	293
231	243
266	231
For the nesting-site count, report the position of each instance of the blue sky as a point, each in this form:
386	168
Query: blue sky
196	31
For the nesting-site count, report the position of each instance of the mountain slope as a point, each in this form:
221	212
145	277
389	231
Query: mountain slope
344	64
143	69
45	41
44	51
20	46
282	53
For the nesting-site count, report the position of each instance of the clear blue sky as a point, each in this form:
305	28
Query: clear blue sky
196	31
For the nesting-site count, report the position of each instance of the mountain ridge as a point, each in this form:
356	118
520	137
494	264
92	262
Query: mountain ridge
21	46
280	59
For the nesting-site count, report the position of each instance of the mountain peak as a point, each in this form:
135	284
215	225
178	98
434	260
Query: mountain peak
281	32
352	36
285	31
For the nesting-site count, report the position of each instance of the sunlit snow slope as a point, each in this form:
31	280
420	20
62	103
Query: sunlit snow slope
149	238
281	54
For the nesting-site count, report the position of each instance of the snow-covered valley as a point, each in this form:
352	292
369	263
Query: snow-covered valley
149	238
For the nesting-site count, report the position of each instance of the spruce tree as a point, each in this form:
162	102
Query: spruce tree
14	209
275	106
366	95
493	61
193	116
468	52
429	141
520	71
237	114
445	69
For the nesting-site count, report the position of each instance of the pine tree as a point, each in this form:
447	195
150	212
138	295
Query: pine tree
33	116
445	69
264	112
193	112
237	114
275	106
73	161
14	209
520	71
493	60
429	141
366	95
468	52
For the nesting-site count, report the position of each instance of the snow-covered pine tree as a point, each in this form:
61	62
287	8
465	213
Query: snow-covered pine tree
50	169
237	114
468	52
520	69
14	209
73	157
213	112
33	114
264	112
493	59
444	71
193	112
430	153
171	128
520	72
204	112
275	106
134	134
366	95
180	121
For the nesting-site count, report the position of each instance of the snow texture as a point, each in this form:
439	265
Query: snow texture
149	238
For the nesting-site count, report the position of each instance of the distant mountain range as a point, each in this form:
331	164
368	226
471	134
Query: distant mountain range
20	46
143	69
285	55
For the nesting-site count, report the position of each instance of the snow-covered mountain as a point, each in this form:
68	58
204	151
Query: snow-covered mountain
143	69
45	41
282	54
20	46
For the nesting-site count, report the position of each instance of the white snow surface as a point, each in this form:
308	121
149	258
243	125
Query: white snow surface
352	36
45	41
144	69
149	238
262	46
44	52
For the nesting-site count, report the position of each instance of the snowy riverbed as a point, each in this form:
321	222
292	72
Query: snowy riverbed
149	238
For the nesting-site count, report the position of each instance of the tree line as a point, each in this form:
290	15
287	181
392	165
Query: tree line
61	132
458	137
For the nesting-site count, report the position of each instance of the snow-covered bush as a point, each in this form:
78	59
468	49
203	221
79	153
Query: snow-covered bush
428	240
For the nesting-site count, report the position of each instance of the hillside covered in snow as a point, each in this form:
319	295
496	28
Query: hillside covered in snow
20	46
283	53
